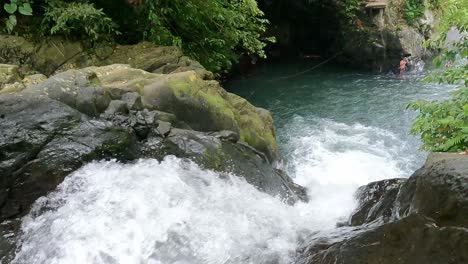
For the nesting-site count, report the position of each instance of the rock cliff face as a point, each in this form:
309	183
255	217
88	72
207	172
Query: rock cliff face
422	219
386	37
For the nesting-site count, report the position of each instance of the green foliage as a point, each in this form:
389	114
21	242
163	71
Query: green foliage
79	19
444	125
433	4
14	7
414	9
214	32
351	9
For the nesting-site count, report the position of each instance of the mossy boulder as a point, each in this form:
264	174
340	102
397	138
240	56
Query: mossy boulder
202	104
51	128
8	74
57	54
145	56
45	56
51	54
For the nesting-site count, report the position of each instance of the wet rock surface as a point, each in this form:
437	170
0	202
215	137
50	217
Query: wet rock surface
418	220
54	127
376	202
51	129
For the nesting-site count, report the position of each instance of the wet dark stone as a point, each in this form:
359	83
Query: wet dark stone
376	202
419	220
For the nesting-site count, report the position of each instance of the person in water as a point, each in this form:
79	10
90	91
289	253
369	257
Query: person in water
403	65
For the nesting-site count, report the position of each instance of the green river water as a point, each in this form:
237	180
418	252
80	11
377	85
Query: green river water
334	117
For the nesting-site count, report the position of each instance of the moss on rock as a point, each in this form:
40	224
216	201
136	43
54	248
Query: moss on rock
8	74
202	104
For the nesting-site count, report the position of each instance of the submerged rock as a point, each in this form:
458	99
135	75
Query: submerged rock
419	220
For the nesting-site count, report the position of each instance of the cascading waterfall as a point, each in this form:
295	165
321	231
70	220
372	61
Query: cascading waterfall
174	212
151	212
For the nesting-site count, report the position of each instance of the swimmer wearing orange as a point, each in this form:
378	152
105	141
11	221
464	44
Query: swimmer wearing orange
403	63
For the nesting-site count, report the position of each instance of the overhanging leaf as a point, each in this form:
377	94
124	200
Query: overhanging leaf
10	8
25	9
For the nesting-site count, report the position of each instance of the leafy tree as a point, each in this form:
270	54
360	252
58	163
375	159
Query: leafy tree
413	10
215	32
444	125
77	18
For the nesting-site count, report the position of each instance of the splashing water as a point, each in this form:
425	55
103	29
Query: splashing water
175	212
344	132
151	212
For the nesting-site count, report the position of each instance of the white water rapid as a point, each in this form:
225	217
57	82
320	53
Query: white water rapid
175	212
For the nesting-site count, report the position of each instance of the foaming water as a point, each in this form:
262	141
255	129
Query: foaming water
333	159
168	212
175	212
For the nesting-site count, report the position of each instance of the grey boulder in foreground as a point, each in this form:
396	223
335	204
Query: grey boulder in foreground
423	219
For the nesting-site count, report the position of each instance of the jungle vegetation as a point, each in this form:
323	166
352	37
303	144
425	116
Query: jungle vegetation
443	125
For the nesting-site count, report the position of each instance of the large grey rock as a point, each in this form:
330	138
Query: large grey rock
438	190
42	140
419	220
413	239
200	104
